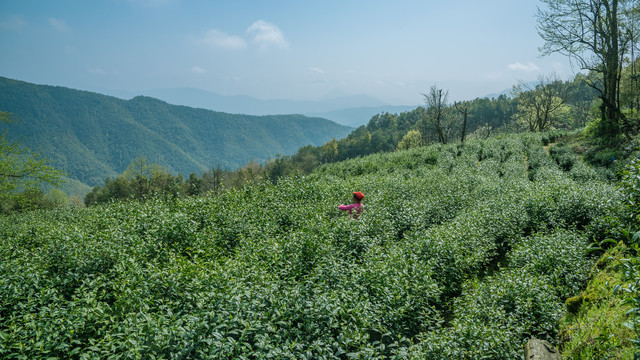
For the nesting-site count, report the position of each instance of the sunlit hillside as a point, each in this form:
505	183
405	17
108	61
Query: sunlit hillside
463	251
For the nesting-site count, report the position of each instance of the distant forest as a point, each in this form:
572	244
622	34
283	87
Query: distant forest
182	138
92	136
548	104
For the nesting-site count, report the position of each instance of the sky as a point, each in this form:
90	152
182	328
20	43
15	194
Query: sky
278	49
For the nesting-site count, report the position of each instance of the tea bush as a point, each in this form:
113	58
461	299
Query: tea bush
561	256
463	251
494	317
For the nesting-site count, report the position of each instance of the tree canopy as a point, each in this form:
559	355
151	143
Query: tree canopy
597	34
542	107
22	171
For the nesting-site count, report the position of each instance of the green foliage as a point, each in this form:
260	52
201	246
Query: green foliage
593	330
631	290
543	107
494	318
561	257
596	35
22	173
92	136
630	188
485	116
412	139
460	253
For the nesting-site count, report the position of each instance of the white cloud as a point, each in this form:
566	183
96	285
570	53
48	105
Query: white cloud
529	67
318	70
59	25
219	39
266	35
198	70
14	23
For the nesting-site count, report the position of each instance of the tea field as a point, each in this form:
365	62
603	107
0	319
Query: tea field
463	251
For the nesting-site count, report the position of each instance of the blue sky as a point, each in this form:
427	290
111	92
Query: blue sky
279	49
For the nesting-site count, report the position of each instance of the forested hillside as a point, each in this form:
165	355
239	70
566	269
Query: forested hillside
464	251
91	136
547	104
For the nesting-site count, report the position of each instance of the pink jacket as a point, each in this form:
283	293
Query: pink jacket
358	208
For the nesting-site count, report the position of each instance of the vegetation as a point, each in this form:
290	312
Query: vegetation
432	270
630	288
437	120
92	136
441	122
466	249
543	107
592	327
22	172
598	34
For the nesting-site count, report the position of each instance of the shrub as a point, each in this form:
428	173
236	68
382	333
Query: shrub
494	318
463	251
561	256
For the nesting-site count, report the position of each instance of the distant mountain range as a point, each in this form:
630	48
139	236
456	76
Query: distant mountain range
509	92
351	110
92	136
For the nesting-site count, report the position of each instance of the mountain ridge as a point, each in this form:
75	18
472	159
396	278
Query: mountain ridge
245	104
92	136
349	110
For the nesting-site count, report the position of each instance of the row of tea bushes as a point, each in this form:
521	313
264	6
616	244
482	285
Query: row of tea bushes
463	250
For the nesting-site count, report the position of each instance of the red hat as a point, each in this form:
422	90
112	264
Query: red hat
358	195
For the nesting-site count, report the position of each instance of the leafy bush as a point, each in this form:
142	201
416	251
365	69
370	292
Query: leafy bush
560	256
492	314
463	251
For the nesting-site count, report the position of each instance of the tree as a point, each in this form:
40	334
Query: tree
147	179
540	108
597	34
138	174
22	170
330	151
140	180
278	168
463	109
193	185
437	114
582	99
630	89
306	159
412	139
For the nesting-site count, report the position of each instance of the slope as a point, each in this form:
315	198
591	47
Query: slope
92	136
464	251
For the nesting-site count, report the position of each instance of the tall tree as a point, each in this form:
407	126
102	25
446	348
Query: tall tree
436	114
539	108
630	86
597	34
463	109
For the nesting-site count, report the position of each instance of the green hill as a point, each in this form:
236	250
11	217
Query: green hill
92	136
464	251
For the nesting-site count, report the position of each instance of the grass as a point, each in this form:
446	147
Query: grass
595	331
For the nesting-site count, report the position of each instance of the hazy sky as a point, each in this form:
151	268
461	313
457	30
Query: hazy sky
278	49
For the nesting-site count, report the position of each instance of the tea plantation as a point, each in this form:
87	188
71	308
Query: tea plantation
463	251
